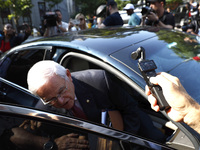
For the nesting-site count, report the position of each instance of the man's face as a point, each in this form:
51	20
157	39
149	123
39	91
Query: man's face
8	29
59	18
155	6
59	89
129	11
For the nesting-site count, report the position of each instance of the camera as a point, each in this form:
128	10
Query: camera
75	21
50	18
146	10
147	69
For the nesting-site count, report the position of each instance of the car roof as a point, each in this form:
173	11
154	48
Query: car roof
107	40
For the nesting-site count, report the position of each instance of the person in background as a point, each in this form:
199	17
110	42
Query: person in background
9	39
60	27
183	107
134	19
78	24
113	18
168	9
193	8
158	17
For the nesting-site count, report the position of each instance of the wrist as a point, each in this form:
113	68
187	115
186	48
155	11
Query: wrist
50	145
192	118
156	22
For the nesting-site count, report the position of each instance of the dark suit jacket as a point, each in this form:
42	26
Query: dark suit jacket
95	91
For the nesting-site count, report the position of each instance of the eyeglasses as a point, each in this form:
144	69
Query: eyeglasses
53	100
81	19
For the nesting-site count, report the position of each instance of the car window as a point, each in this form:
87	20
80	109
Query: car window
12	93
22	130
15	67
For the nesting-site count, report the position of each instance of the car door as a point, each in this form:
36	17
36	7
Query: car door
14	67
23	127
176	138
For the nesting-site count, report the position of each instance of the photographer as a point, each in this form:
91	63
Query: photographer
157	16
54	23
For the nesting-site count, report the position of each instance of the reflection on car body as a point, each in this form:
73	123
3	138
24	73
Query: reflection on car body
108	49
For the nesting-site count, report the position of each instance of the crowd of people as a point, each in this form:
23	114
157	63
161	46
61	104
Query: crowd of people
10	38
159	17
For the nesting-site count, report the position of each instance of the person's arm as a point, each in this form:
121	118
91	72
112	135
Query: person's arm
153	17
70	26
123	102
61	28
46	33
161	24
26	140
102	25
183	107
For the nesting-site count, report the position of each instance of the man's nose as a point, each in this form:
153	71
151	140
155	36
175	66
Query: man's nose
61	99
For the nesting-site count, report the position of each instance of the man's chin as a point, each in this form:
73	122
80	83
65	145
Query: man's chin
68	105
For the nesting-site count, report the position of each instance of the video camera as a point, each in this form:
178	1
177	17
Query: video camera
146	10
50	18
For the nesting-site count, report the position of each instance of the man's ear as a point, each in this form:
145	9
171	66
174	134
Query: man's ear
68	73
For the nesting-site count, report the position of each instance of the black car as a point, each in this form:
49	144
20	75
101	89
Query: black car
109	49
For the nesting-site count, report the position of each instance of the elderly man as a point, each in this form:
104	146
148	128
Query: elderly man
91	91
134	19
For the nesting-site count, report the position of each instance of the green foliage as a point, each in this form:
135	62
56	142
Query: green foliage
121	4
52	3
19	8
173	1
88	7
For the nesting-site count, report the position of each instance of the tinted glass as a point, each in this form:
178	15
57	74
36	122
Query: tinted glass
18	132
15	67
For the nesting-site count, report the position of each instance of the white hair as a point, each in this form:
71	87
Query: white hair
41	72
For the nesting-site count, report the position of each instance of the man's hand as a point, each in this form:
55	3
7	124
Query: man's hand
72	141
174	93
152	16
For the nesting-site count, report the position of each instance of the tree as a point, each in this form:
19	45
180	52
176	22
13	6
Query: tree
18	8
88	7
172	4
52	3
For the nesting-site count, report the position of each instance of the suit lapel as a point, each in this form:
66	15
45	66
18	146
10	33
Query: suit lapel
86	98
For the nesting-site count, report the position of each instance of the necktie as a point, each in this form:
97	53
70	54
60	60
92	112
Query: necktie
77	112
